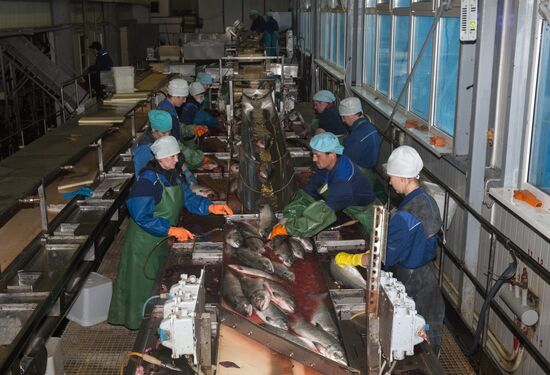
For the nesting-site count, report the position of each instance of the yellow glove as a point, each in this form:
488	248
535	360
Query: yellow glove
220	209
181	234
345	259
278	230
200	130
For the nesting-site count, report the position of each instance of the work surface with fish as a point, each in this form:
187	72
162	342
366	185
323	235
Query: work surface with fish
277	284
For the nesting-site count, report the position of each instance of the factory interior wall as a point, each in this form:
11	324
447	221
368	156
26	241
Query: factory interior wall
455	171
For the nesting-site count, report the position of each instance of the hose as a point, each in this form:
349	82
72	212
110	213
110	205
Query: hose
509	272
146	303
149	255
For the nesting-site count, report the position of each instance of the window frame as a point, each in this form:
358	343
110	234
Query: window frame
530	108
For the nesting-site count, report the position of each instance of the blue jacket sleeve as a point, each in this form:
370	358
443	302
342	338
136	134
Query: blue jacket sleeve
398	240
188	114
314	184
340	195
142	155
194	203
142	210
205	118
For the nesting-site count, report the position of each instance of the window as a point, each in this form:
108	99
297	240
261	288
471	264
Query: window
341	40
447	75
333	37
392	40
324	28
420	91
402	3
369	49
539	166
400	57
383	63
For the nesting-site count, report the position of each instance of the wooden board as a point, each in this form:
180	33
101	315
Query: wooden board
101	120
84	177
252	357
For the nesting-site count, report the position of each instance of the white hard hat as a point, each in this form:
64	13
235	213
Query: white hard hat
350	106
404	161
196	88
165	147
178	87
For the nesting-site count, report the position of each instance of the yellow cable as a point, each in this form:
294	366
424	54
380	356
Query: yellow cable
126	358
358	314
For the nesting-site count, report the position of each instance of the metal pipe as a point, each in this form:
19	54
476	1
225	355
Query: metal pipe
43	208
133	123
100	155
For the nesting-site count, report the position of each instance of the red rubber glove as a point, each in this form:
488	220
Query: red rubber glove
200	130
278	230
220	209
181	234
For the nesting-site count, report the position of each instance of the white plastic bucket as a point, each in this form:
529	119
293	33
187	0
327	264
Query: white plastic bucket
124	79
438	194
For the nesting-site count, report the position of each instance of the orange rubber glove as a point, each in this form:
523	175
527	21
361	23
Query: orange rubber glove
181	234
345	259
200	130
206	160
220	209
278	230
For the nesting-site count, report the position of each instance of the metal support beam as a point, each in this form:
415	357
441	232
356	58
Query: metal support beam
478	151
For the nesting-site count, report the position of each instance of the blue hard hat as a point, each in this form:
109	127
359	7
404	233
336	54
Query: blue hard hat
204	78
160	120
253	12
324	96
326	142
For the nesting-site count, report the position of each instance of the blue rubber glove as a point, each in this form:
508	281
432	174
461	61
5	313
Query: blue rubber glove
190	177
85	192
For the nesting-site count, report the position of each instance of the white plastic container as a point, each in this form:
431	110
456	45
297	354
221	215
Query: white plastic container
54	348
438	194
124	79
92	304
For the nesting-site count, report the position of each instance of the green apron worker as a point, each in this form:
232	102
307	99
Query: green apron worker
412	241
362	144
338	185
177	92
154	204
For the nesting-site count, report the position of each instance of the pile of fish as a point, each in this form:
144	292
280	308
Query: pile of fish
259	281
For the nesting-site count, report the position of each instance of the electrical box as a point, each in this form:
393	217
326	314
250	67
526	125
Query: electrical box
468	20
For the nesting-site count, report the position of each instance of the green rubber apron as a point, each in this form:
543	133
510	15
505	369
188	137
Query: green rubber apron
363	214
135	278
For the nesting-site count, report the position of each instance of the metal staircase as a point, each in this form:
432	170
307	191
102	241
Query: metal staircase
35	65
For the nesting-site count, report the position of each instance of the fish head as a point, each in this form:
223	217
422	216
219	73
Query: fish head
261	300
203	191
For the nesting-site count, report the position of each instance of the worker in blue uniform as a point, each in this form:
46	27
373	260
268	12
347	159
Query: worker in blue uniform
271	38
160	126
327	118
338	185
154	204
258	25
362	144
178	90
192	114
102	62
206	80
412	241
